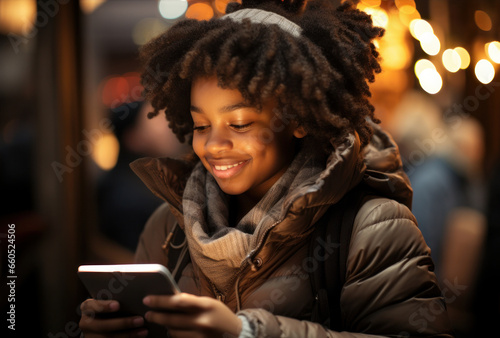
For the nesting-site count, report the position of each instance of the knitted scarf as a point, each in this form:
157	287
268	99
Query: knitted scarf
220	248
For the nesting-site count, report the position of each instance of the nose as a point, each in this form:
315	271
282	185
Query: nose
218	141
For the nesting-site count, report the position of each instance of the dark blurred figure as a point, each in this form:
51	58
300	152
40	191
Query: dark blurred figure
443	158
124	202
487	300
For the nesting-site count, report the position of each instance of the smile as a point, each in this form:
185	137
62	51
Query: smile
227	170
226	167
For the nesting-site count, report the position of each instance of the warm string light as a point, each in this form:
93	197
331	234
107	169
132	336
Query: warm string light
105	151
88	6
453	59
18	16
483	20
464	57
220	5
484	70
430	81
493	51
200	11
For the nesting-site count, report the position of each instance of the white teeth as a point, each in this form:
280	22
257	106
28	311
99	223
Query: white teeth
226	167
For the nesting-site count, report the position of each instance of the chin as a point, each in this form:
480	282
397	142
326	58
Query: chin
231	189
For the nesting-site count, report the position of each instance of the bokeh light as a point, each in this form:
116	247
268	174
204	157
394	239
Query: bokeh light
483	20
419	27
379	16
430	81
464	57
451	60
88	6
485	72
105	151
17	16
422	65
395	56
430	43
172	9
116	90
406	16
493	51
220	5
406	6
200	11
371	3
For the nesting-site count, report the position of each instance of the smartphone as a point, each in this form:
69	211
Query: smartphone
129	284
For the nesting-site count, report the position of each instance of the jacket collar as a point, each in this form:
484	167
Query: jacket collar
378	165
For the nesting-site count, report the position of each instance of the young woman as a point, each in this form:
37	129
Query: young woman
274	98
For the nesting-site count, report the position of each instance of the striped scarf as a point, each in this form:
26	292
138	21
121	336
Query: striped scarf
216	246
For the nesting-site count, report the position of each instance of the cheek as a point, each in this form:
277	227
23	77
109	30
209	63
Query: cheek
265	150
198	145
251	145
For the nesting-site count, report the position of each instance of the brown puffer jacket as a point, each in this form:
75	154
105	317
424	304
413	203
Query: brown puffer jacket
390	289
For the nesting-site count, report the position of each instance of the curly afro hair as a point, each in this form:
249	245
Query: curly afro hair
319	78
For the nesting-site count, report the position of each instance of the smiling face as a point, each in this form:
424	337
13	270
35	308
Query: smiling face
244	148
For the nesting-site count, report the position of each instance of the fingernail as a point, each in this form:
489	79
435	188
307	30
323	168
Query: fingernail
139	321
113	306
147	315
146	300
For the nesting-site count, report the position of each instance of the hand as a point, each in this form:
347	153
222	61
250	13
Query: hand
93	323
186	315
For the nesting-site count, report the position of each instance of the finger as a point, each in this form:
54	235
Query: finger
182	302
174	320
93	306
109	325
168	319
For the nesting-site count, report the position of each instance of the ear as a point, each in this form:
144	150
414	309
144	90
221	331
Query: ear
299	132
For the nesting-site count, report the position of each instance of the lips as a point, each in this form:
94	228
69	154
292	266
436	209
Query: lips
227	170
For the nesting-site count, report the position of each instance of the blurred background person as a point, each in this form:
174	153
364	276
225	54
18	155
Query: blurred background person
124	202
443	157
444	164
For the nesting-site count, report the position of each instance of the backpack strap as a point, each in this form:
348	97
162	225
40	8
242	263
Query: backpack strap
333	233
177	252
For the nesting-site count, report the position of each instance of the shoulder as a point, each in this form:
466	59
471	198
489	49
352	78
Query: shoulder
379	210
386	218
389	273
149	249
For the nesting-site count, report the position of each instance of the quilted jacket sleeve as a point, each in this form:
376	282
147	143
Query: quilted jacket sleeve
390	289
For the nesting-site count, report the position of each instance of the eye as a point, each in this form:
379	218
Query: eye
241	127
200	129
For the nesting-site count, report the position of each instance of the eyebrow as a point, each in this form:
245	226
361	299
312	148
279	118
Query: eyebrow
225	109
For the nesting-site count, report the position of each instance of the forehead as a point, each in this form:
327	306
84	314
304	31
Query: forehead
207	95
206	91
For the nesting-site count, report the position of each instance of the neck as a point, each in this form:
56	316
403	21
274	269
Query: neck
240	205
